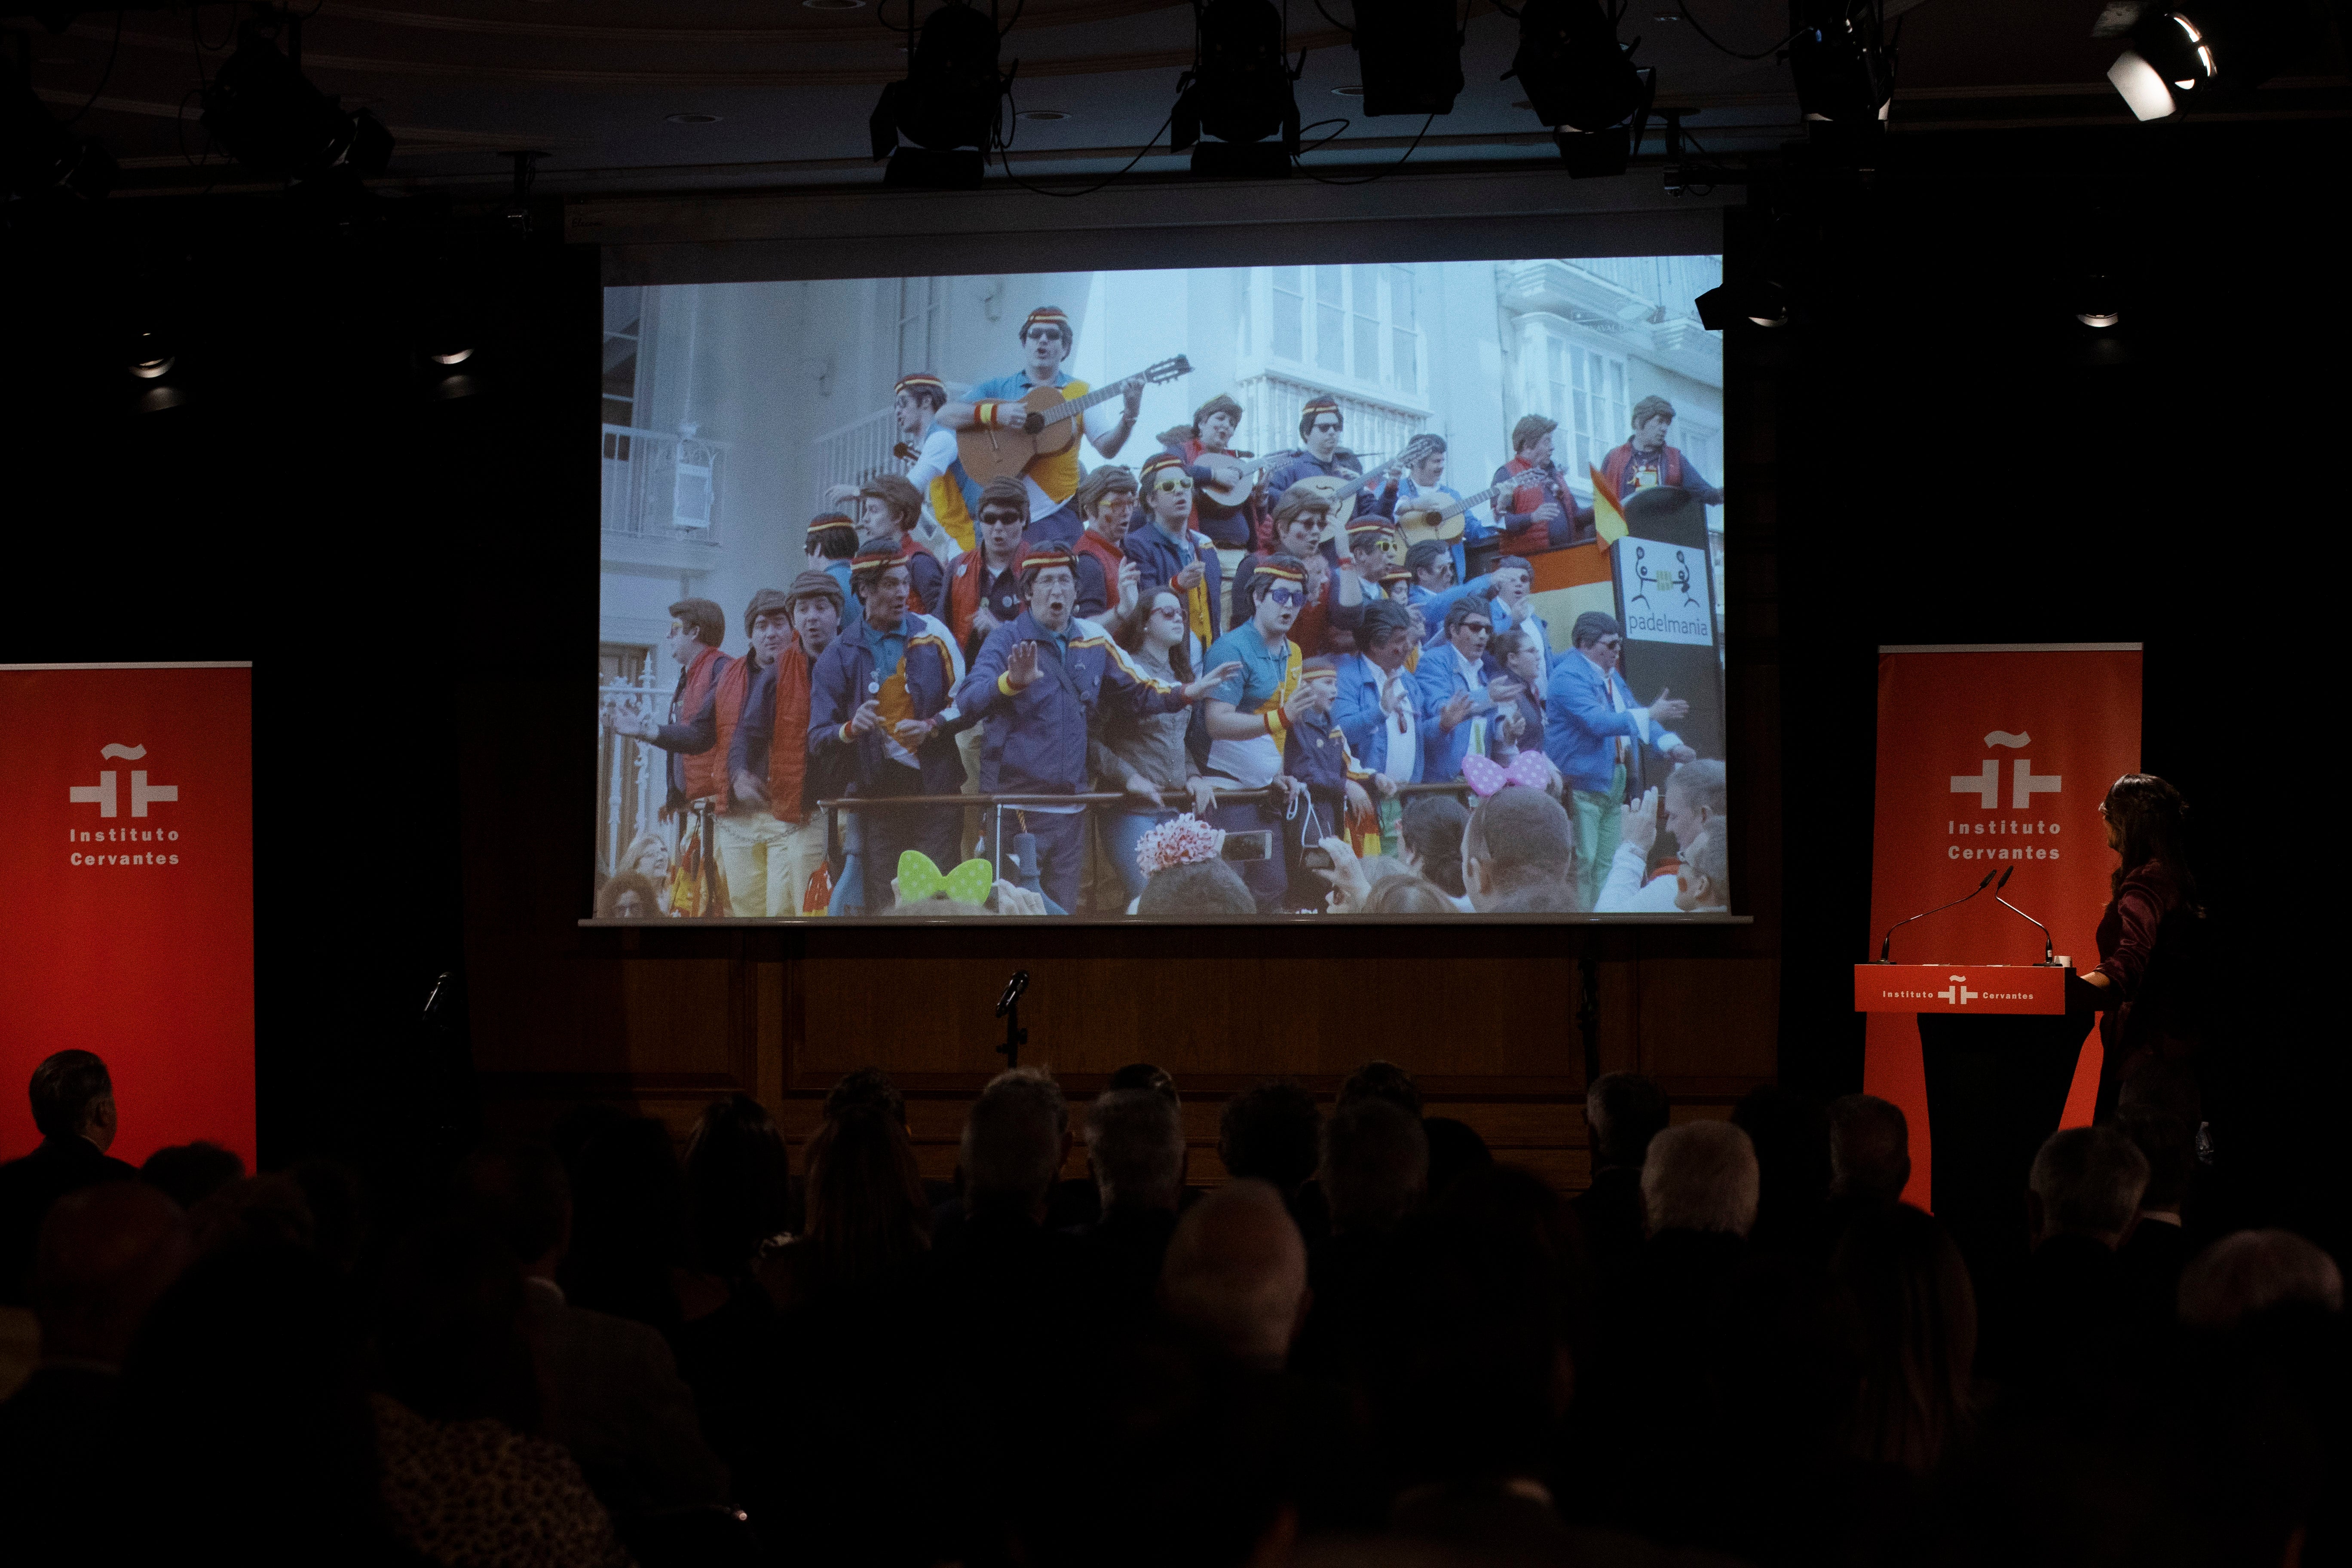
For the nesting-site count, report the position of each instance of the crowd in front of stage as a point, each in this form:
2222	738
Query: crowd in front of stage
1350	1336
1305	689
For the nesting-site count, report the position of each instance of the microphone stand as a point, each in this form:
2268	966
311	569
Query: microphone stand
1888	941
2049	948
1008	1007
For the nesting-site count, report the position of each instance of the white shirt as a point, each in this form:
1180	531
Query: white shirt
1402	725
1624	892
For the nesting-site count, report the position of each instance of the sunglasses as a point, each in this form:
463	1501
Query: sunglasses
1171	611
1481	628
1323	429
1176	482
1288	598
1001	519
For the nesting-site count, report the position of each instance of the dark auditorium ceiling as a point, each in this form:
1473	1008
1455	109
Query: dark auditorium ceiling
595	84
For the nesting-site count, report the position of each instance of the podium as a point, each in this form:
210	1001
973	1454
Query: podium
1999	1043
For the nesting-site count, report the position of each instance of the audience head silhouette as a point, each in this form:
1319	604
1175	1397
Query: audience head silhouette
1870	1151
1701	1176
1014	1140
1235	1275
2087	1182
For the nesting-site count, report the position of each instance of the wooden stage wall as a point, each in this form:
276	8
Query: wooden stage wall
1500	1030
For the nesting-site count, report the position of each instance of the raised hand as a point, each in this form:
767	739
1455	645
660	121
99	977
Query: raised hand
1021	666
984	620
1211	681
1666	709
868	717
1298	703
1190	577
1640	827
1348	887
1130	587
839	493
1504	690
1457	708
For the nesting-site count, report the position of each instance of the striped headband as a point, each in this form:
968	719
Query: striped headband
831	522
1284	568
1053	316
921	380
874	555
1369	527
1157	461
1395	574
1321	406
1044	556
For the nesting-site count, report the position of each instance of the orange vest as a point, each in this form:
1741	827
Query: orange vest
705	773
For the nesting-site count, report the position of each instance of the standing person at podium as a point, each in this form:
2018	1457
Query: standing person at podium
1646	461
2150	936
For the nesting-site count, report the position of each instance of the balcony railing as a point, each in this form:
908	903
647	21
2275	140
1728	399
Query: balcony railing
663	484
629	772
860	449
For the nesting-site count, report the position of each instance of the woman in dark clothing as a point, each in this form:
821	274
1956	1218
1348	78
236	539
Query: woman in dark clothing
2148	938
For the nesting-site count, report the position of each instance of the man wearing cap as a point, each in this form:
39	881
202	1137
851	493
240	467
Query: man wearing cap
1323	778
1248	713
1036	690
890	510
939	474
882	723
1646	461
1335	594
1422	481
832	541
1052	477
697	767
1593	733
1320	424
1378	708
984	584
1206	448
1433	590
1108	582
1459	688
1538	513
1168	554
769	840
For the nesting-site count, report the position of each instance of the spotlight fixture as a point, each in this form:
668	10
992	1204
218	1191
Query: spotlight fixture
1845	73
266	114
1582	83
1759	301
2096	302
949	105
1408	55
151	357
41	159
1239	91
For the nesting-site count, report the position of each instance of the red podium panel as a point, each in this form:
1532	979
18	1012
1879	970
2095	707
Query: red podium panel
1959	988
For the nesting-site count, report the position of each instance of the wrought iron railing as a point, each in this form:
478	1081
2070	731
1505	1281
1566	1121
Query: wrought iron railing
663	484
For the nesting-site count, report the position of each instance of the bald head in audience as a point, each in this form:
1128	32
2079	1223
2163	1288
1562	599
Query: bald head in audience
1870	1151
106	1253
1701	1176
2243	1275
2087	1182
1014	1140
1236	1274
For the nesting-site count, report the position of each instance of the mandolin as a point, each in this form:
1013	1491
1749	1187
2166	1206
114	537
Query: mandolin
1000	451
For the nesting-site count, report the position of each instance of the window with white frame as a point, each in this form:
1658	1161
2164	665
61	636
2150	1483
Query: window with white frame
1359	322
1585	391
922	303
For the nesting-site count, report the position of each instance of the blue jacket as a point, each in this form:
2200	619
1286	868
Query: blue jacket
1033	741
853	608
1581	728
1160	558
1343	465
1362	719
1433	606
1438	681
845	678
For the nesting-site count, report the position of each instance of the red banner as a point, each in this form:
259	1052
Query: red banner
127	869
1993	758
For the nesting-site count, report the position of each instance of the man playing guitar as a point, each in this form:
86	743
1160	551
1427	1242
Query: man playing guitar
1052	478
1206	451
1320	424
1423	478
1538	516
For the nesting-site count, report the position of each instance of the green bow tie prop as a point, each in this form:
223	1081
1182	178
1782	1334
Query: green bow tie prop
918	879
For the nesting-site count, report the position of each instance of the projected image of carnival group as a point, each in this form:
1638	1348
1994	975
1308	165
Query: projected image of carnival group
1371	590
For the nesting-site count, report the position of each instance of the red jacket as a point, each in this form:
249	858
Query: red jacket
1614	467
702	773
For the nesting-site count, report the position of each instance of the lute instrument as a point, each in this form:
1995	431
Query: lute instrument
1005	451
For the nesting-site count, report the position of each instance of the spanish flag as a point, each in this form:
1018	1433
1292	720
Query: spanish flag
1608	517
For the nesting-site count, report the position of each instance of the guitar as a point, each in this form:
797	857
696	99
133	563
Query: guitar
1421	517
1236	492
1000	451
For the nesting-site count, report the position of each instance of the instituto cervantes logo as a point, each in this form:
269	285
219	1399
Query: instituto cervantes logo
2024	783
107	794
1958	993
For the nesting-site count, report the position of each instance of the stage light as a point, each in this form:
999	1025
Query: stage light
949	105
2096	303
266	114
2208	52
1760	301
1579	79
2142	86
151	357
1845	72
1408	56
41	159
1238	91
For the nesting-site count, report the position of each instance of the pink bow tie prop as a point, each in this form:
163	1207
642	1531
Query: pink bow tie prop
1484	778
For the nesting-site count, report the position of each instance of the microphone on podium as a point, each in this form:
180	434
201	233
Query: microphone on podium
1888	941
2049	948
